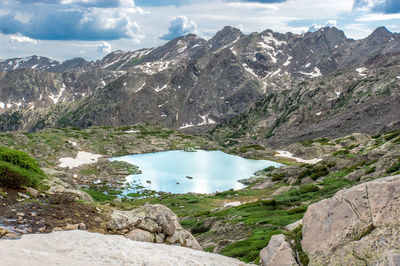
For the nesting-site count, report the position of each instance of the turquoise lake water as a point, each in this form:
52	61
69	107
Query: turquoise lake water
210	170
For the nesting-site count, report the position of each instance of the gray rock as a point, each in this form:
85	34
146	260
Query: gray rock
140	235
292	226
278	252
357	223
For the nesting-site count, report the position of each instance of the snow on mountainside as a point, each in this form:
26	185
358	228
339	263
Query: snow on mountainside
180	82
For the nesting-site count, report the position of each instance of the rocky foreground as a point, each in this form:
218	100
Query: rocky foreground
358	226
84	248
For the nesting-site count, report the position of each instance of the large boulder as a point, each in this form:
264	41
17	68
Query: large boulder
157	220
357	225
277	253
84	248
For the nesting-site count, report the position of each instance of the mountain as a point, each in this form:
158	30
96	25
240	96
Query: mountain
264	82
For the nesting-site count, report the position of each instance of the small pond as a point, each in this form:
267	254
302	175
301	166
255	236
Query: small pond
199	171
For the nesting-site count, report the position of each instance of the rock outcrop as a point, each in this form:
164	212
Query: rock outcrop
356	226
151	223
84	248
278	252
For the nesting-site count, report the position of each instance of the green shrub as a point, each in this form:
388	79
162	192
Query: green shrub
17	169
13	176
20	159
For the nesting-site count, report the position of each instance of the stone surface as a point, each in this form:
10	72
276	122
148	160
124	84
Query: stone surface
60	194
357	224
32	191
140	235
277	253
292	226
84	248
155	219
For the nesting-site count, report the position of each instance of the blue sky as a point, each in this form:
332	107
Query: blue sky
63	29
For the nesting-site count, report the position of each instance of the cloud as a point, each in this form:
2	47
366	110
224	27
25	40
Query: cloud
179	26
22	39
104	48
315	27
88	20
378	6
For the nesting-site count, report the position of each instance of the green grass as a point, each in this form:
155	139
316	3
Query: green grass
248	250
99	196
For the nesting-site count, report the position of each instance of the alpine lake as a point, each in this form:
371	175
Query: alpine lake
195	171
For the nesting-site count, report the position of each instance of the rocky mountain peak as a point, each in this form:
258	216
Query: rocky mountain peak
226	36
380	36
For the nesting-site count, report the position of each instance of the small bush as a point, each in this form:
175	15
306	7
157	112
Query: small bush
17	169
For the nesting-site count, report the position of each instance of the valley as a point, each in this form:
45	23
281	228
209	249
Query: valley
324	106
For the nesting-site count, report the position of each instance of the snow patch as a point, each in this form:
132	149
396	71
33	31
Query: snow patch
73	143
186	126
308	65
82	158
248	69
132	131
289	155
141	87
361	71
56	98
288	61
158	89
318	114
271	39
314	74
2	105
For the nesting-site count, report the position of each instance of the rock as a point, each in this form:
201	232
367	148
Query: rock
360	223
70	227
281	190
140	235
22	195
33	192
57	229
278	252
42	229
221	244
117	200
11	235
148	225
166	223
264	185
60	194
156	219
84	248
292	226
3	232
160	238
82	226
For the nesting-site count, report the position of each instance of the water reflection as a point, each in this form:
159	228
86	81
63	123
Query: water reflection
210	170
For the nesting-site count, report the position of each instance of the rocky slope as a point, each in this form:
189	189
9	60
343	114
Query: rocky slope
192	84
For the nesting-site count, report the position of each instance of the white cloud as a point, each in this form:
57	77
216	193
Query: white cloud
378	17
331	23
104	48
179	26
22	39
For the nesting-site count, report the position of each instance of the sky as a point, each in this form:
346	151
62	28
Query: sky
64	29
